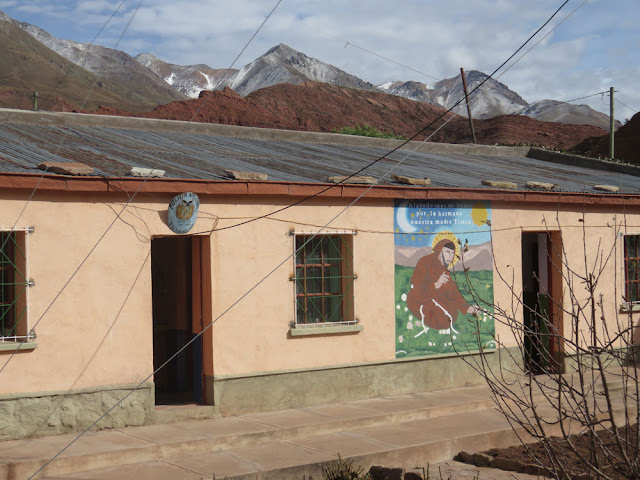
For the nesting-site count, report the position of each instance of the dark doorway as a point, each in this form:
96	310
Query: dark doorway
177	293
542	302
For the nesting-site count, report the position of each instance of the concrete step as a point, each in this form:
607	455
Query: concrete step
177	413
406	430
134	445
416	443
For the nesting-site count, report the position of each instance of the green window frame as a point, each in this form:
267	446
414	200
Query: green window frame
632	268
324	279
14	286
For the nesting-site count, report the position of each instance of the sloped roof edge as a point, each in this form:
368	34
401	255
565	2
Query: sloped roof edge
129	185
234	131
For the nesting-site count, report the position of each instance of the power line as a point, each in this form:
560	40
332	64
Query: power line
370	52
587	96
55	87
542	39
390	60
534	46
224	76
634	110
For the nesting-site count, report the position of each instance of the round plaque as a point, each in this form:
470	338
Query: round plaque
183	212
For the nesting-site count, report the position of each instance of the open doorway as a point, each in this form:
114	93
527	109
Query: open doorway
542	301
180	270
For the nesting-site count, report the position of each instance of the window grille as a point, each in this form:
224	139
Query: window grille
324	279
14	284
632	268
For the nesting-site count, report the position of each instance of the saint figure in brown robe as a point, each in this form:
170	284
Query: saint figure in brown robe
434	296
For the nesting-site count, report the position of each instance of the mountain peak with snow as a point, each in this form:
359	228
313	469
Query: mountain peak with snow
283	64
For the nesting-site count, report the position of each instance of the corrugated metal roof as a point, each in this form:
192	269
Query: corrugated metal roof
113	151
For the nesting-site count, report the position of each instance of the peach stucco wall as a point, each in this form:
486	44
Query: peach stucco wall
253	336
98	330
591	244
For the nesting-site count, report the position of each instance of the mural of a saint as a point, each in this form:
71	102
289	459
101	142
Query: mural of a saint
443	277
434	296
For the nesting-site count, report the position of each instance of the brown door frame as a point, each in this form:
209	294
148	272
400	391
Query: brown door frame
555	262
202	309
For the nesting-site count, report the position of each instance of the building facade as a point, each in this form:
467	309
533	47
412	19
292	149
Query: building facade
283	292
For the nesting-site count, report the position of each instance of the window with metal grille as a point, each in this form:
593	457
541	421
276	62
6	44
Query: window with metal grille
324	279
13	286
632	268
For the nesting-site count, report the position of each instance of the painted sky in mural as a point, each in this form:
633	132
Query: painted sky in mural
443	277
418	221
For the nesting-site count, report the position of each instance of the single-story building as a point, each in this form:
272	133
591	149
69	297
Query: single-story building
293	281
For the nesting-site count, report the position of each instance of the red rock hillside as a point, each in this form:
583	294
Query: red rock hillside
626	143
321	107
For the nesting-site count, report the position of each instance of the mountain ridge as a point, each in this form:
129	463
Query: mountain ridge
121	83
147	81
131	81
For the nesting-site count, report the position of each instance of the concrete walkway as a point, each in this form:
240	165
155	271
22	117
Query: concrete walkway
403	431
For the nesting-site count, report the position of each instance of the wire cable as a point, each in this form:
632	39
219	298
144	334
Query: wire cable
542	39
224	76
348	43
586	96
55	87
390	60
634	110
534	46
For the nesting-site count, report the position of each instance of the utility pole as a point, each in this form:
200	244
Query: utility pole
612	123
466	96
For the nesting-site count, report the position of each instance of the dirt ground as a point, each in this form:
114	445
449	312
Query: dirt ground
461	471
569	460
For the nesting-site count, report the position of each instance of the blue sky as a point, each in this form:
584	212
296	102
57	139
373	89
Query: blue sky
595	48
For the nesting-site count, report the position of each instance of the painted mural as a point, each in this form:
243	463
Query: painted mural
443	277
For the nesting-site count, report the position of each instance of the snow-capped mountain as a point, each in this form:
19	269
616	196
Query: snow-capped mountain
562	112
142	84
190	79
147	80
494	98
417	91
283	64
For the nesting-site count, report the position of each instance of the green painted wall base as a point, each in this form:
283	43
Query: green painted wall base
240	394
51	413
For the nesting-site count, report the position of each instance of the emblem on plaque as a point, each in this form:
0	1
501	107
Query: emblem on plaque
183	212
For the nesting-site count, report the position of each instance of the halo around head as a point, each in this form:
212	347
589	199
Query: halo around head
449	236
